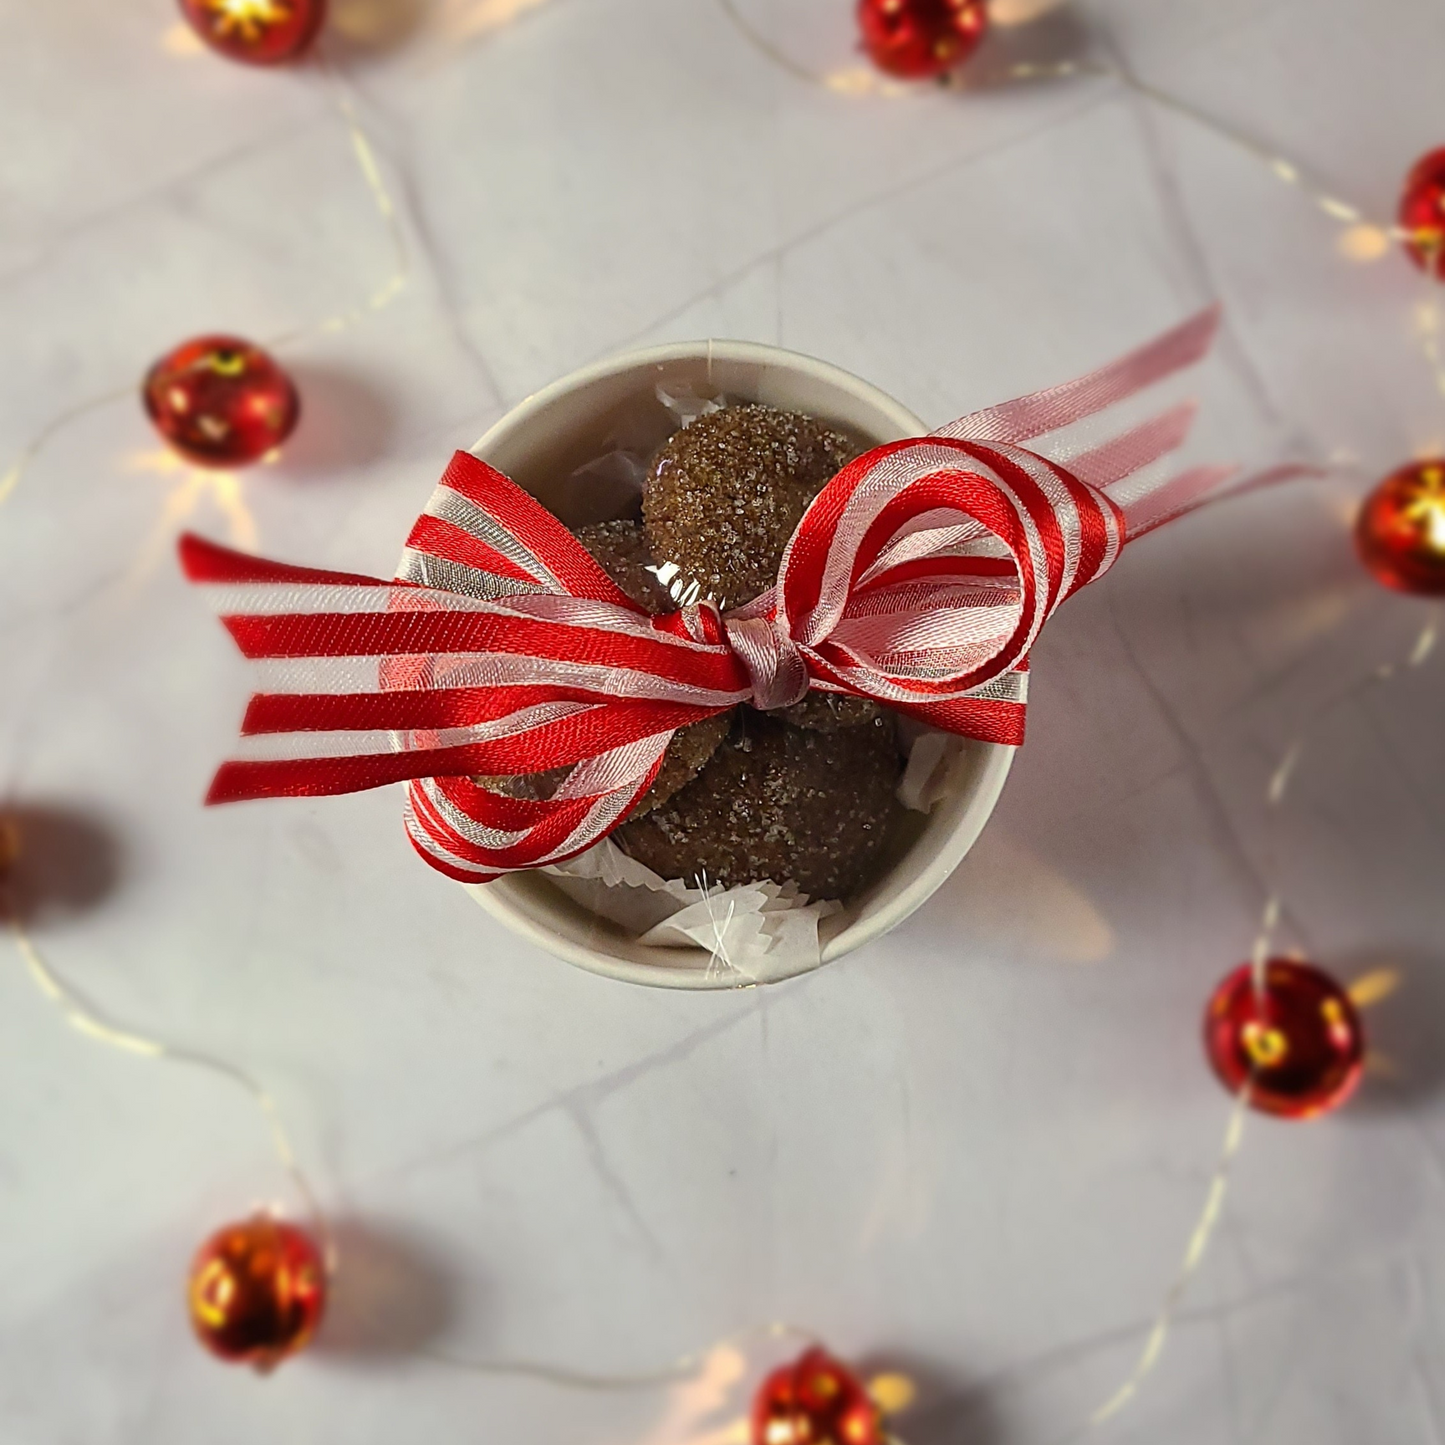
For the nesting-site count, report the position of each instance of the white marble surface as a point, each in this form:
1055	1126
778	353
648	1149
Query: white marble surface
974	1151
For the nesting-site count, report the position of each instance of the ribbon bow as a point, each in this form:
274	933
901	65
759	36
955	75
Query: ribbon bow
920	577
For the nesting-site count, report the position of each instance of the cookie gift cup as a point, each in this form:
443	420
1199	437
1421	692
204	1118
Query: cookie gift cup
542	444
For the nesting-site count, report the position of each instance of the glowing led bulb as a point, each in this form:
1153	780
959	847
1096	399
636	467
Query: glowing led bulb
1292	1037
1401	529
257	1292
258	32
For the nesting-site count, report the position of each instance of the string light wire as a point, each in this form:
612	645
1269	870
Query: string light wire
343	101
1194	1254
1367	990
56	424
87	1021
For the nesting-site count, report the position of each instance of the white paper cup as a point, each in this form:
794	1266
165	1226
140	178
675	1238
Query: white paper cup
541	443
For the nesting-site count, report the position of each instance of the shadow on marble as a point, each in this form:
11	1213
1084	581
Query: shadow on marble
1056	37
364	30
945	1411
347	421
393	1294
1404	1031
67	862
1279	568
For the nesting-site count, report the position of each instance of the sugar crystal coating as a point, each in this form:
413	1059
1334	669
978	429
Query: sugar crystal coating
686	756
781	803
620	550
826	712
725	493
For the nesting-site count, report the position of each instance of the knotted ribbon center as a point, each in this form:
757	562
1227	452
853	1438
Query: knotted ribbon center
777	671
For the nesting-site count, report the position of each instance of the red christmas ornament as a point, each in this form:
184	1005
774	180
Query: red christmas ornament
259	32
257	1292
918	39
815	1401
1400	531
1422	212
220	401
1297	1040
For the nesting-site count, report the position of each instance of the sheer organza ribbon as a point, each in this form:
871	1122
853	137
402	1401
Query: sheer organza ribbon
920	576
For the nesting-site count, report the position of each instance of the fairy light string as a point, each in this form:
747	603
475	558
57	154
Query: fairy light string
894	1391
87	1021
32	449
344	102
864	82
341	98
1364	991
1194	1253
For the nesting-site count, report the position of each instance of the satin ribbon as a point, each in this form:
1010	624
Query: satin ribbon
920	577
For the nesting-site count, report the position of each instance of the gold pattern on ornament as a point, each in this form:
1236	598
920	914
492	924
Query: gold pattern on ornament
248	20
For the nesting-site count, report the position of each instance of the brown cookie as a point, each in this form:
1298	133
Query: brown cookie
725	493
782	803
686	756
620	550
827	712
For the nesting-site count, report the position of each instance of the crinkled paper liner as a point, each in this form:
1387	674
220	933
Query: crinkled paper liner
760	931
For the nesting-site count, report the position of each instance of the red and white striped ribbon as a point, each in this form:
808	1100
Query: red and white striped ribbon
920	576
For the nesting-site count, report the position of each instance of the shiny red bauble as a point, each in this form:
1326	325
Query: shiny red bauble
1297	1041
1400	532
258	32
815	1401
220	401
918	39
1422	212
257	1291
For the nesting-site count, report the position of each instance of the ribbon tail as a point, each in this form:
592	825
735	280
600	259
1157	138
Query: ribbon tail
366	682
1060	406
1134	450
1189	490
307	775
207	563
